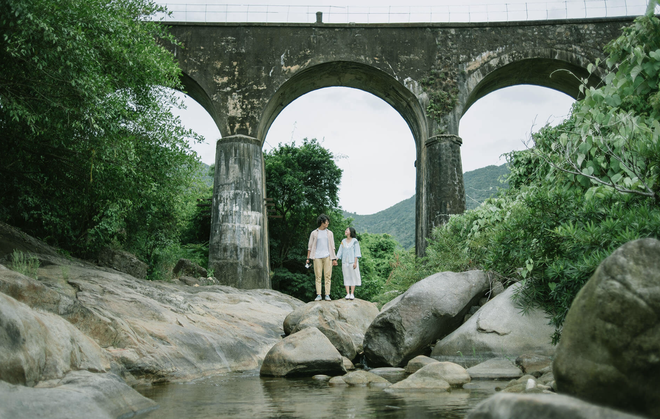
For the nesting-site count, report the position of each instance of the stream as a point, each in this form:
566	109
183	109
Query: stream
247	395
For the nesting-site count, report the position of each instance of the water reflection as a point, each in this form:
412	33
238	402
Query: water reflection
248	395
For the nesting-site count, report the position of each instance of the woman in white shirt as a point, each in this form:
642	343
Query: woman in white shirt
349	252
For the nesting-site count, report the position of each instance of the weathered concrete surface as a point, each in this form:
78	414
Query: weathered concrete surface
609	351
246	74
238	248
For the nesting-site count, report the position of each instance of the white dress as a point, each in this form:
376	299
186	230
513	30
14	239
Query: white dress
349	253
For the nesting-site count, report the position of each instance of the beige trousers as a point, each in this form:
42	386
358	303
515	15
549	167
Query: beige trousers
325	265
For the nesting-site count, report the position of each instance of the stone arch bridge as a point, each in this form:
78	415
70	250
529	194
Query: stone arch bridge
245	74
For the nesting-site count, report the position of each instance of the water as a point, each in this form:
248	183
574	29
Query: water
247	395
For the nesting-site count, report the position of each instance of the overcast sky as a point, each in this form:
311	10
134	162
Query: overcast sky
371	141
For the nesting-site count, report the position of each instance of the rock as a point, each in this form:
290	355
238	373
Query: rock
422	381
342	321
185	267
418	362
78	395
437	375
391	374
533	363
337	381
496	289
499	329
348	365
429	310
122	261
610	344
190	281
36	346
321	377
156	331
541	406
363	378
546	378
495	368
307	352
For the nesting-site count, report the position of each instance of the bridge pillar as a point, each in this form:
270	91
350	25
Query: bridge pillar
442	185
238	247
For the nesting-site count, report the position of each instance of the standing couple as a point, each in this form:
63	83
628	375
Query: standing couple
321	249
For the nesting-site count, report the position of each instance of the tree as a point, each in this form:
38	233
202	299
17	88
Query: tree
91	152
303	182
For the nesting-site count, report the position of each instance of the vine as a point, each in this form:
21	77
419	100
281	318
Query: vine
441	88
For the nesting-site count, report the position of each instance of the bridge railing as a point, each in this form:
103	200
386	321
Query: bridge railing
506	12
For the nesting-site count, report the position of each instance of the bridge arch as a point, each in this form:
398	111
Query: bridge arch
535	67
347	74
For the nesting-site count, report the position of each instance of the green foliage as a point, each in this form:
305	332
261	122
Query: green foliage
91	153
587	187
441	88
25	264
399	219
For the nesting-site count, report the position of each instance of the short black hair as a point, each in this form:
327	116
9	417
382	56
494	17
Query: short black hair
322	219
353	233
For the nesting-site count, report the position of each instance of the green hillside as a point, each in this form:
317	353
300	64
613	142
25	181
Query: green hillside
399	219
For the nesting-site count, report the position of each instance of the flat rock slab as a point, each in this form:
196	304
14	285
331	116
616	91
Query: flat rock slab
499	329
79	395
495	368
541	406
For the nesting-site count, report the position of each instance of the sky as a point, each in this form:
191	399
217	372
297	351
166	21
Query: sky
371	141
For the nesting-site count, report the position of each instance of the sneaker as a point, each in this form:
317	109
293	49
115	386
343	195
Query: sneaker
327	298
352	297
348	296
318	298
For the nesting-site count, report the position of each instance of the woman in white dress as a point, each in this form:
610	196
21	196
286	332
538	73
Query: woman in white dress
349	252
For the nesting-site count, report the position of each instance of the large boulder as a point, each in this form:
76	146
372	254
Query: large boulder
609	352
186	267
439	376
305	353
428	311
78	395
541	406
36	346
123	262
157	331
344	322
499	329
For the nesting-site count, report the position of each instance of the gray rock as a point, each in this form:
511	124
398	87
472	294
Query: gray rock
321	377
344	322
495	368
185	267
122	261
429	310
418	362
307	352
36	346
363	378
190	281
496	289
541	406
391	374
348	365
437	375
156	331
609	352
78	395
533	363
337	381
500	329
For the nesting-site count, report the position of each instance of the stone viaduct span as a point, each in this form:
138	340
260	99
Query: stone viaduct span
245	74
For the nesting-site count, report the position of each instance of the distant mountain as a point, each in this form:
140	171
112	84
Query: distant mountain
399	219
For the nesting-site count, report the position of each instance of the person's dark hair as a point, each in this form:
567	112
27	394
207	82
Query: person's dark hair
322	219
353	233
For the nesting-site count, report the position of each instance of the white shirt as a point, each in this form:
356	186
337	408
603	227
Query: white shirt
322	250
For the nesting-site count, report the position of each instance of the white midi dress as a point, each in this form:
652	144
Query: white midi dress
348	253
